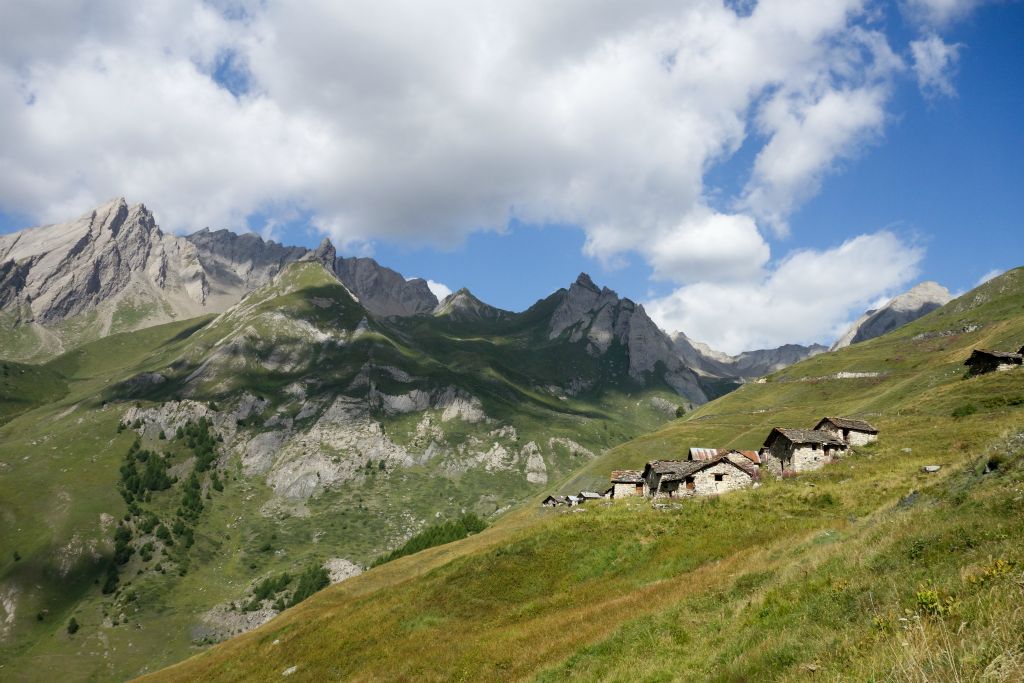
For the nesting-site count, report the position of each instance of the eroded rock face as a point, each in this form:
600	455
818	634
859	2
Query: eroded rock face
905	308
382	291
601	318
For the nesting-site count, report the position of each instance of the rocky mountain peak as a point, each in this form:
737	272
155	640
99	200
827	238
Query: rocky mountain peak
385	292
600	318
325	253
918	301
464	306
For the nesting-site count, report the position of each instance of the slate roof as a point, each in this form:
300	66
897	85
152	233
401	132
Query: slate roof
590	495
1014	358
847	423
802	436
627	477
677	470
557	500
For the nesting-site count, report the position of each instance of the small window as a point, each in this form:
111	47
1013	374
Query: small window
719	477
815	446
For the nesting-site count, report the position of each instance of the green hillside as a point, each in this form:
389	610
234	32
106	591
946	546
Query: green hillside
868	570
135	504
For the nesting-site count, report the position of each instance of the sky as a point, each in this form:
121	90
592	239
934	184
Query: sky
754	173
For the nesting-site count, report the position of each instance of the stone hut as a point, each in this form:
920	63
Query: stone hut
589	495
626	483
554	501
852	432
982	361
803	450
688	478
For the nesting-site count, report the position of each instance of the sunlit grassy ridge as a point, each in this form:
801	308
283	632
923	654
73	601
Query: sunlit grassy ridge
61	450
867	570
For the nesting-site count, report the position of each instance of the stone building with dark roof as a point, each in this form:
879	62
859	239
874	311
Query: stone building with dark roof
803	450
687	478
626	483
983	360
852	432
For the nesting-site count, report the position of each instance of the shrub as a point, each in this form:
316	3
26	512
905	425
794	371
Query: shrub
110	584
17	556
964	410
72	626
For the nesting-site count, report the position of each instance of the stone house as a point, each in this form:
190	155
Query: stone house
688	478
803	450
982	361
852	432
589	495
626	483
554	501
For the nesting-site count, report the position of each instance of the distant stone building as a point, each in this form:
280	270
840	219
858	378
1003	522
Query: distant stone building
589	495
982	361
703	453
803	450
554	501
687	478
852	432
626	483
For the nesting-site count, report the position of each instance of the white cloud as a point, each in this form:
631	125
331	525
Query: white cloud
934	62
939	13
452	120
995	272
807	297
440	290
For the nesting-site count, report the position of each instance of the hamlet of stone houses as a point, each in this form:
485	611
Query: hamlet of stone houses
786	452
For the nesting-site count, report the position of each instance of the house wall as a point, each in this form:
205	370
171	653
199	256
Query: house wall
705	484
854	438
621	490
801	458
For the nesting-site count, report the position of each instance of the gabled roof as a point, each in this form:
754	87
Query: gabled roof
847	423
682	469
752	456
1001	356
558	500
590	495
627	477
803	436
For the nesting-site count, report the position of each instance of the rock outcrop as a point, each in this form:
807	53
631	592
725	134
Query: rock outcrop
905	308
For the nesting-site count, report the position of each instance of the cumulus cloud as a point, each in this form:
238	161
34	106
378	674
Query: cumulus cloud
934	62
806	298
440	290
455	119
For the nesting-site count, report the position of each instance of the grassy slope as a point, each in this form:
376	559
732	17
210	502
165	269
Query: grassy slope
844	572
60	453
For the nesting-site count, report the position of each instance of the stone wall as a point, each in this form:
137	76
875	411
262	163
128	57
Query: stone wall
802	458
621	490
706	484
852	437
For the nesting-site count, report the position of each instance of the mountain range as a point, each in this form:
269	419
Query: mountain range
113	270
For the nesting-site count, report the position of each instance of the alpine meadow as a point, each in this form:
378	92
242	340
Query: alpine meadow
482	341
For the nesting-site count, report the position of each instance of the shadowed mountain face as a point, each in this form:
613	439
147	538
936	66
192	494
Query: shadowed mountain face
905	308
